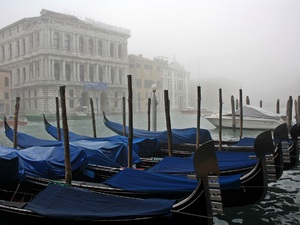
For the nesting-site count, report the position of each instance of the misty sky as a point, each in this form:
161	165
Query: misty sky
256	42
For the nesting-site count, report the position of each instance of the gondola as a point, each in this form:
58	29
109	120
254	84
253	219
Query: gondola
229	163
236	189
276	160
145	147
65	204
287	155
179	136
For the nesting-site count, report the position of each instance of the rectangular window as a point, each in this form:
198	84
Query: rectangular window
6	95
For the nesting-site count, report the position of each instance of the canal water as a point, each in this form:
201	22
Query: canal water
280	206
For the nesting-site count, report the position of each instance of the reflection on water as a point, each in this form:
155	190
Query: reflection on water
280	206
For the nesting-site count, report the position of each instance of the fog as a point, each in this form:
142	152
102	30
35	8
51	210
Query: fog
255	42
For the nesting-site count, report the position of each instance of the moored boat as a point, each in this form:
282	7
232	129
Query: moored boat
67	204
192	110
253	118
10	120
239	172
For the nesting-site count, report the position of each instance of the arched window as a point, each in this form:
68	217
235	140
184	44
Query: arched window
112	49
68	42
120	76
10	51
91	73
56	40
24	74
81	73
112	74
100	74
68	72
119	50
18	48
18	76
3	53
81	48
31	42
37	39
24	46
30	70
37	68
91	46
100	48
56	71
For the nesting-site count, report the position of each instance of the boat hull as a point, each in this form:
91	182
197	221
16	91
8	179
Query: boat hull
248	123
12	122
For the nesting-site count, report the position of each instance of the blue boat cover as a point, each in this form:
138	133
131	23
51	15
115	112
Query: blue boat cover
48	162
146	146
52	130
10	168
146	181
226	161
245	141
26	141
179	136
62	202
103	153
106	153
143	147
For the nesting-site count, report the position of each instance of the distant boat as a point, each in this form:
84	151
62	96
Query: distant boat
253	118
192	110
11	121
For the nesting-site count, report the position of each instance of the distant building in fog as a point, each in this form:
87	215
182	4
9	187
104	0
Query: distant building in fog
167	76
88	57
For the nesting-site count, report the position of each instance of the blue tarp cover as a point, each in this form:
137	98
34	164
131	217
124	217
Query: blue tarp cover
106	153
103	153
48	162
72	203
145	146
179	136
245	141
226	161
10	168
145	181
26	141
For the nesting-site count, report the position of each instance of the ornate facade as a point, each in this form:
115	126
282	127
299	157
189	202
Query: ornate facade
88	57
176	80
167	76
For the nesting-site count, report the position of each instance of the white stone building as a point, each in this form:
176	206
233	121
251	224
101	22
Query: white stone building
88	57
176	80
